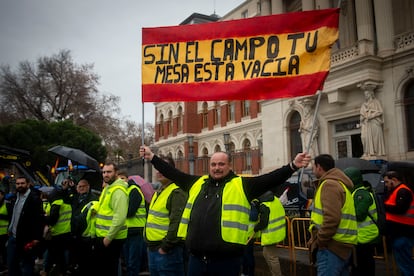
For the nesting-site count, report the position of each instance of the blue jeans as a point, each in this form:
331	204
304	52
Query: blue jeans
402	248
329	264
133	249
215	267
171	263
19	262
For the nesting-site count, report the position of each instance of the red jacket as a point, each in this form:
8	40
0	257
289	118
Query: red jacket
406	218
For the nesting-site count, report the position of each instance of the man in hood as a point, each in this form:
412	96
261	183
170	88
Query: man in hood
333	221
367	217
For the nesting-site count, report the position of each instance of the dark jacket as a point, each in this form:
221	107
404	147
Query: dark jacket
31	221
204	231
78	222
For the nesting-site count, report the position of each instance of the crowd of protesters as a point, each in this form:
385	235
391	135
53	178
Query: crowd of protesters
198	225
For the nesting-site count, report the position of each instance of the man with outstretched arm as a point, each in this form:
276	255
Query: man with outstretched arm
215	221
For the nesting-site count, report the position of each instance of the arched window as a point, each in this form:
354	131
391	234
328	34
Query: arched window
217	148
409	115
180	155
180	160
180	119
205	115
295	140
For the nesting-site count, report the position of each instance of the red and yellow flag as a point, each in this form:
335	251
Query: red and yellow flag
266	57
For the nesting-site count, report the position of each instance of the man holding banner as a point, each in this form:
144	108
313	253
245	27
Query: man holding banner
278	56
215	221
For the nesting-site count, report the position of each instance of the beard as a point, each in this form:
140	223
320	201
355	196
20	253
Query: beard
109	180
21	190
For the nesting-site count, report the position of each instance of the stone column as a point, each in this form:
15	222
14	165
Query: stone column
385	27
277	7
365	26
307	5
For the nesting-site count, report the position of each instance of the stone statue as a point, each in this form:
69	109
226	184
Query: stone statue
371	122
305	128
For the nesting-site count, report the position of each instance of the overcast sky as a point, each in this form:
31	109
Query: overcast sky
106	33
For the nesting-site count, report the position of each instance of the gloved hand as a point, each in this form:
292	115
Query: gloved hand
254	210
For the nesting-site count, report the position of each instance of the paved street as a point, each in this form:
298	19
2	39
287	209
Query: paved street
302	264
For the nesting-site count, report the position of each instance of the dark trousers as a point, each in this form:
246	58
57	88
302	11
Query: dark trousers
365	260
106	259
248	260
58	249
200	266
84	255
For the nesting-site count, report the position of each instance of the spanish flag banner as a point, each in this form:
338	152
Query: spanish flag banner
265	57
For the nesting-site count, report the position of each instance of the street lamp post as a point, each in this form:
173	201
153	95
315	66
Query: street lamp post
226	137
191	158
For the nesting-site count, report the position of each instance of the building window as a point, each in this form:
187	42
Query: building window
247	160
205	115
230	115
409	115
244	14
293	6
161	125
347	138
170	123
180	160
259	7
180	119
246	108
295	140
217	148
205	161
217	113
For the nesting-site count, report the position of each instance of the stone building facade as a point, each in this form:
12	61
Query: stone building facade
375	52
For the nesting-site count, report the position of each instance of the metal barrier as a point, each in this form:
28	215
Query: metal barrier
299	236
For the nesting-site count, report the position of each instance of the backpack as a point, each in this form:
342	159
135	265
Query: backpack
381	221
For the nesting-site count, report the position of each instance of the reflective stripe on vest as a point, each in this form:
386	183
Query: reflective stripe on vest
367	229
140	216
276	229
407	217
158	220
62	225
4	223
234	212
90	230
105	214
347	228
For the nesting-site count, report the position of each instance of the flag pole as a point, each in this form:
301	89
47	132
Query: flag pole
143	132
314	120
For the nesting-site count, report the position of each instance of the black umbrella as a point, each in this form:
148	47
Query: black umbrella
76	155
361	164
